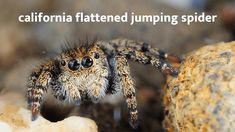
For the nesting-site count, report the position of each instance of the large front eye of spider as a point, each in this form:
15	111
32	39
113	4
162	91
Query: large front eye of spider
87	61
73	65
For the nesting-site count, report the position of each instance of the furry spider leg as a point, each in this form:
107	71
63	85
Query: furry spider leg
146	48
37	84
146	58
126	84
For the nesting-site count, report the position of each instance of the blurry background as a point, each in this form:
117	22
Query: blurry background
23	45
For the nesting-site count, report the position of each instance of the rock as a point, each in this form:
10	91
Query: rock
202	97
15	117
4	126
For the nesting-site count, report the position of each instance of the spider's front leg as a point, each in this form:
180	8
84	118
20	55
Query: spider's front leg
128	89
37	85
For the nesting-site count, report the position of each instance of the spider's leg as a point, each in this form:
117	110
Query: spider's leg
146	58
164	55
36	88
125	80
144	47
37	84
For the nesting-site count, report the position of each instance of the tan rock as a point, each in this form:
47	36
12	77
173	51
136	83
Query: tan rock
202	97
14	117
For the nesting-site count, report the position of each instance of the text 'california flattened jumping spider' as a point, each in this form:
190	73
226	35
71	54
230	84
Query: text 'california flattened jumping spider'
90	71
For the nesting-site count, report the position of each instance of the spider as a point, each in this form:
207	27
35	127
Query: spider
90	71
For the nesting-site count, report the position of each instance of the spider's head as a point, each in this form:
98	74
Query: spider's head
81	58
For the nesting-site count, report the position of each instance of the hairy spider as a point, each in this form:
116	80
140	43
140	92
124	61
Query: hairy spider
89	72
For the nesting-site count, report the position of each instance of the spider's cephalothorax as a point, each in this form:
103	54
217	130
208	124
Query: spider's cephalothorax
88	72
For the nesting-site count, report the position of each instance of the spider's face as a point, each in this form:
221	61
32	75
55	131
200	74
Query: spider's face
82	59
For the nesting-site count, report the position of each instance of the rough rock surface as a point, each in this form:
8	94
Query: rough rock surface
202	97
14	117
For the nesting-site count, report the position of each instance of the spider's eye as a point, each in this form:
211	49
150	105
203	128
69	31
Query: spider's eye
73	65
96	56
87	61
63	63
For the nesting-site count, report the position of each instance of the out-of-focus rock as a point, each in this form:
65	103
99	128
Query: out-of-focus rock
15	117
202	97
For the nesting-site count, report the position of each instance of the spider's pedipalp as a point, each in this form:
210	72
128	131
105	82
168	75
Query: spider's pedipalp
66	93
98	89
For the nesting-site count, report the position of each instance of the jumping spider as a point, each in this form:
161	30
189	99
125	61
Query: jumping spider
90	71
